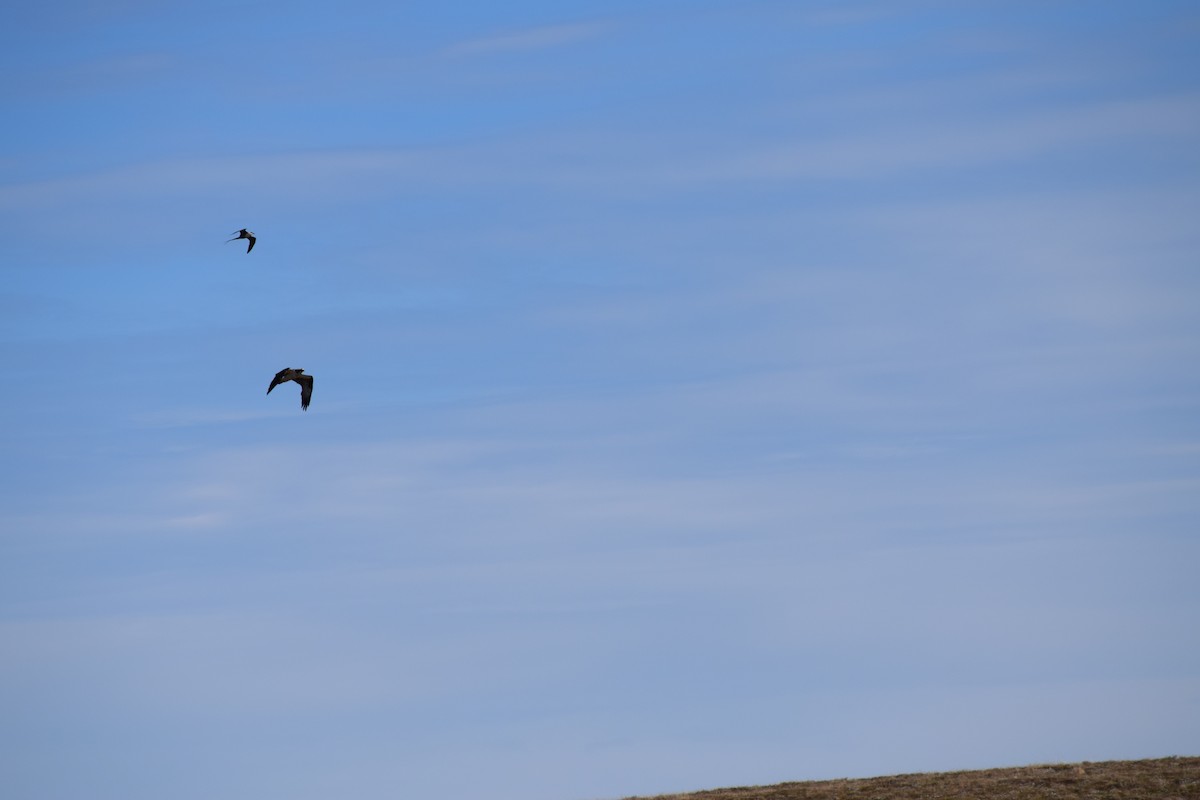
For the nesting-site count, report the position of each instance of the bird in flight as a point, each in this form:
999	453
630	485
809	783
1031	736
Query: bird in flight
244	234
288	374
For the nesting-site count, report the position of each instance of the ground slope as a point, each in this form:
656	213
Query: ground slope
1175	778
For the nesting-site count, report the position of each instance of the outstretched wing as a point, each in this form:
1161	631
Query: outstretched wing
251	245
278	379
306	383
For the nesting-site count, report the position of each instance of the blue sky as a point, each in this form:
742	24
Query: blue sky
707	393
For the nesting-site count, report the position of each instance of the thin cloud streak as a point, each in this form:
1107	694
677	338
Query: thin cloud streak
986	142
539	38
122	72
857	158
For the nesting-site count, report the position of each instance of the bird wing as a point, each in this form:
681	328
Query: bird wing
251	245
278	379
306	384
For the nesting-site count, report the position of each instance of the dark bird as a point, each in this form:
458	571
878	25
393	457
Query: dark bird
288	374
244	234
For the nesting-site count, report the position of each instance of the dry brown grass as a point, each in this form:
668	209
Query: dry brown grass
1157	779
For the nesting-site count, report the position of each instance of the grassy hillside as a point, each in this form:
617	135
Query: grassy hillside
1156	779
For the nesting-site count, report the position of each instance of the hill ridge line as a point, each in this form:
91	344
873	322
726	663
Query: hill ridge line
1168	778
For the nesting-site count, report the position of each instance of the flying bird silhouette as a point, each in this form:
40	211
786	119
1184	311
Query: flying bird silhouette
288	374
244	234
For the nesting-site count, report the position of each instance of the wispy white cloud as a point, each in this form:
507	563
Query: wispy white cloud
271	173
907	147
631	165
851	14
185	418
538	38
111	72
